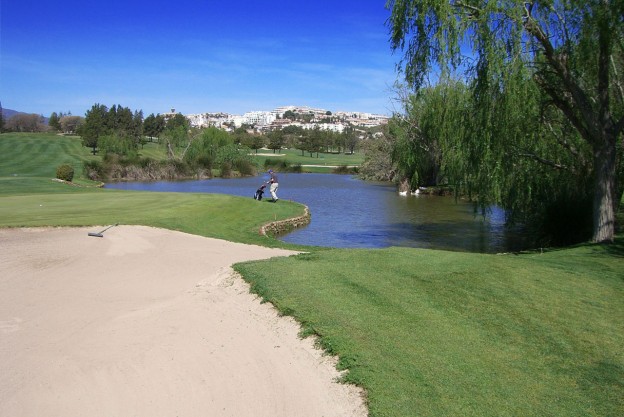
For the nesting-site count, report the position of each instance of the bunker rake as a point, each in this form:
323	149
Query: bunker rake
101	233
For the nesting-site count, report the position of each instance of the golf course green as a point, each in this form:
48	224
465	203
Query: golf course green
424	332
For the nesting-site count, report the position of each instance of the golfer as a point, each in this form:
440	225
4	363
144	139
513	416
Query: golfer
274	185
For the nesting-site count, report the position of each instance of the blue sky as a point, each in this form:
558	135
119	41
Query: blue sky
195	56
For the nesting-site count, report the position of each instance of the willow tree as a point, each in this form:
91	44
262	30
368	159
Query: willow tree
572	49
428	138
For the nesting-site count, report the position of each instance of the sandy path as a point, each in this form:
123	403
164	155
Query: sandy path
149	322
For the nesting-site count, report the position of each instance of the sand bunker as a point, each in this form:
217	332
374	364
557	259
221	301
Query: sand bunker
150	322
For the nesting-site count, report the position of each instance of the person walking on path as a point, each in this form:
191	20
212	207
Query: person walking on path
274	185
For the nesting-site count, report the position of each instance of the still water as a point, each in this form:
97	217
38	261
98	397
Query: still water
350	213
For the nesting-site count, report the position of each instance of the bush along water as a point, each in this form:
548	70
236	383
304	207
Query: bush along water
282	165
65	172
191	153
344	169
114	167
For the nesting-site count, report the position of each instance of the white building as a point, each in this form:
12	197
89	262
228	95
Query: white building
266	119
279	112
334	127
261	118
237	121
203	120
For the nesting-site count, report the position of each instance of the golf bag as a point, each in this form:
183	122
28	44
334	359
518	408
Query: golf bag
259	192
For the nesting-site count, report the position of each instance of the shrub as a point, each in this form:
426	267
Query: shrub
344	169
226	170
145	163
245	167
269	163
205	162
282	165
94	170
65	172
179	168
279	164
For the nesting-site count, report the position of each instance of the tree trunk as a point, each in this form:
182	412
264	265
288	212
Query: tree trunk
170	151
604	190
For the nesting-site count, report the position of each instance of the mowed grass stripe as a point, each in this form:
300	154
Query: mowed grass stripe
39	155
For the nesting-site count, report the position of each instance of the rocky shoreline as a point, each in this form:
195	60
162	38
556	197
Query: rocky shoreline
284	226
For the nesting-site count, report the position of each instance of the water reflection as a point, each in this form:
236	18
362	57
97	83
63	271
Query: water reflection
350	213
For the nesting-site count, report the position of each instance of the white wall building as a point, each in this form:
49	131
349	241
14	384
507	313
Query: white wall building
203	120
266	119
334	127
238	121
261	118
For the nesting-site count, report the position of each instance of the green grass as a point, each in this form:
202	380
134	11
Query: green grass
433	333
152	150
427	333
220	216
29	197
38	155
293	156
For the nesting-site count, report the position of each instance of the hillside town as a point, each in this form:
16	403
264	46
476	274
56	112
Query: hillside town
302	116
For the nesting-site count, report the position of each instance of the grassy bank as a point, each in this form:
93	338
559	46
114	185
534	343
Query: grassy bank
433	333
427	333
232	218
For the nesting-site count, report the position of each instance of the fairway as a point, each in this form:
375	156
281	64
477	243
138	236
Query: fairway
317	162
38	155
30	197
434	333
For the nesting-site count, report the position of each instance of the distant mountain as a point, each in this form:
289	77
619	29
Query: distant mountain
8	113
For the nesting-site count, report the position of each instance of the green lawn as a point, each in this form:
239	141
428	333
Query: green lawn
426	333
38	155
293	156
434	333
152	150
232	218
29	197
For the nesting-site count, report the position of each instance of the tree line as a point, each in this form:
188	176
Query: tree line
118	133
22	122
120	130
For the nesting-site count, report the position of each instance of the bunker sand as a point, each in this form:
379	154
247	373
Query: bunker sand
150	322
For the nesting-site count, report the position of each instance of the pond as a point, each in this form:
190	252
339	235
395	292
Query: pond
351	213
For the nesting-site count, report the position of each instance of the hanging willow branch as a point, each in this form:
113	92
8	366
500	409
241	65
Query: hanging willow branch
531	155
